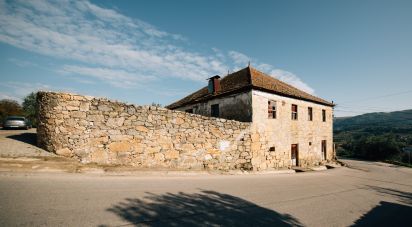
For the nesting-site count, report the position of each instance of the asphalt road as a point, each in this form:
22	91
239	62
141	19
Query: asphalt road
370	194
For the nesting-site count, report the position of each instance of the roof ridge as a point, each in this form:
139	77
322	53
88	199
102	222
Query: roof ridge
235	72
249	74
286	84
276	79
250	78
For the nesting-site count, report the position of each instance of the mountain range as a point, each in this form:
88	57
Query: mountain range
386	121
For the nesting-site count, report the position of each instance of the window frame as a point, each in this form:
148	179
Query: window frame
323	115
294	148
310	113
272	109
294	114
214	112
324	150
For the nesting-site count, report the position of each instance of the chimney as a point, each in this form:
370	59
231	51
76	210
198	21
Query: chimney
214	85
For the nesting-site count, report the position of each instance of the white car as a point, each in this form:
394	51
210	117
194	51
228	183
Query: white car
16	122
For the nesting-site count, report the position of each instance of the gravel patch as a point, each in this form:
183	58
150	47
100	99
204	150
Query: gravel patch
20	143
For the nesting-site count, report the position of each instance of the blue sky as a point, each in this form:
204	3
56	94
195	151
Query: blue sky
356	53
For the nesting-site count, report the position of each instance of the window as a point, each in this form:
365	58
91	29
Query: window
310	113
294	112
272	109
189	111
214	110
323	115
272	149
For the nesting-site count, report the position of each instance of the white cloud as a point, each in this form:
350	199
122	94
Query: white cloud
286	77
21	89
109	39
239	58
291	79
21	63
106	45
4	95
18	90
117	78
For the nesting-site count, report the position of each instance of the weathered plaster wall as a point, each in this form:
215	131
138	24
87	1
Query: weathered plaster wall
104	131
282	132
233	107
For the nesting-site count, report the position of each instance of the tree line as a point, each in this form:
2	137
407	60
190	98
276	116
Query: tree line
379	145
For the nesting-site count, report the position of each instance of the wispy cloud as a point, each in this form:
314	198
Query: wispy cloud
241	60
21	63
21	89
104	44
116	77
18	90
4	95
286	76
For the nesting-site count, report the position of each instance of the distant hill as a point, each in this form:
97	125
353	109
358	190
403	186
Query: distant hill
375	136
399	120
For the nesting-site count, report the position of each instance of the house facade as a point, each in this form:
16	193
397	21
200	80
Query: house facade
293	128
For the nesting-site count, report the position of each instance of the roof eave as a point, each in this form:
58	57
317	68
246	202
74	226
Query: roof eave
235	91
292	96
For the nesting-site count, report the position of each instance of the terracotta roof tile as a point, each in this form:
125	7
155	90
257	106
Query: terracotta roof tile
262	81
246	79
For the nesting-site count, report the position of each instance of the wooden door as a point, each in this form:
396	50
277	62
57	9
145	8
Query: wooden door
323	150
295	155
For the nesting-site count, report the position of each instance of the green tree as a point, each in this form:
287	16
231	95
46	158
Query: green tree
30	107
9	107
376	147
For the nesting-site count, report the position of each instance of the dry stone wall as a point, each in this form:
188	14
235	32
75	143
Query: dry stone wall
109	132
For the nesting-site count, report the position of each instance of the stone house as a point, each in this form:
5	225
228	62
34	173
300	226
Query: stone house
295	125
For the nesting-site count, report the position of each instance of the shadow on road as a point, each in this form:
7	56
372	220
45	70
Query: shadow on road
198	209
387	213
27	137
404	197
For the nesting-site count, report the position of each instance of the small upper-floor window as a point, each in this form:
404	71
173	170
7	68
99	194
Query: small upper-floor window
323	115
310	113
214	110
272	109
294	112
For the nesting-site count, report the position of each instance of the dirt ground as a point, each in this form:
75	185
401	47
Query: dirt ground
20	143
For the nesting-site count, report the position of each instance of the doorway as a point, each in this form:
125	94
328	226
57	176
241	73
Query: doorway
295	155
323	153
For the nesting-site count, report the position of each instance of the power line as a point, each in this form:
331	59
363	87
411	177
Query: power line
380	109
350	110
362	110
379	97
